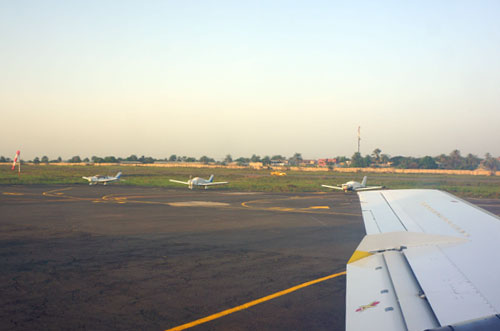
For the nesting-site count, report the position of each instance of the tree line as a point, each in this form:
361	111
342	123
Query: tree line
454	160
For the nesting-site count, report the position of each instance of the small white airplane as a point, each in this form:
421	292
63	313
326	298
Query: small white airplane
354	186
94	180
197	181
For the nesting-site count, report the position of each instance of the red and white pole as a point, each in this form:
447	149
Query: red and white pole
18	160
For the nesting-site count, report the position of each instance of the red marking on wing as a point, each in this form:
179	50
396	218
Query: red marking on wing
364	307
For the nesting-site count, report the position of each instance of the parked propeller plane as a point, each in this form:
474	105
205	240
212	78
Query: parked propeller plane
198	181
354	186
94	180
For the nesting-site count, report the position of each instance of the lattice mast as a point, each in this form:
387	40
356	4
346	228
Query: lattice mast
359	138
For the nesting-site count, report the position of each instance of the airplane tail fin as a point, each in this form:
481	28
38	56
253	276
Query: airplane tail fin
211	179
364	181
118	175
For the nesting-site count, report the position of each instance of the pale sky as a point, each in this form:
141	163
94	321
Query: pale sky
212	78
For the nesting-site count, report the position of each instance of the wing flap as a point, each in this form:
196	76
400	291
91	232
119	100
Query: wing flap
383	294
451	248
417	313
370	298
452	296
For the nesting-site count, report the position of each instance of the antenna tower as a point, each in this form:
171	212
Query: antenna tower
359	138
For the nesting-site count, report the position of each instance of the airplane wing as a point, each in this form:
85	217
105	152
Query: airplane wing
369	188
106	180
429	260
334	187
178	181
214	183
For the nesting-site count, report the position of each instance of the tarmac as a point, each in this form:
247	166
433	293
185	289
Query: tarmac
128	258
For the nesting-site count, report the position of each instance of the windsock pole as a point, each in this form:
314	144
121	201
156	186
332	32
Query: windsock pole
18	160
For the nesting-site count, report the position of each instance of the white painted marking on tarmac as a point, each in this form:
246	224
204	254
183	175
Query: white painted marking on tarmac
198	204
319	221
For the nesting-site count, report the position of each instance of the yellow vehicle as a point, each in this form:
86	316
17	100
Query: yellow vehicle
277	173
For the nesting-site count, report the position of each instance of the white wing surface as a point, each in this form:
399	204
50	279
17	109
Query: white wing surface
369	188
178	181
214	183
334	187
429	259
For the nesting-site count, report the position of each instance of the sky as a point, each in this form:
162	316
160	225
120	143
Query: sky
213	78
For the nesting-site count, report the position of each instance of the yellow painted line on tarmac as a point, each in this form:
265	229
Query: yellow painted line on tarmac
253	303
12	193
282	209
319	207
63	197
293	210
121	196
56	192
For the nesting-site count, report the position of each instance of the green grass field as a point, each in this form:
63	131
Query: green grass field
251	180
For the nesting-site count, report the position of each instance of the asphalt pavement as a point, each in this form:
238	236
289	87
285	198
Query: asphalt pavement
127	258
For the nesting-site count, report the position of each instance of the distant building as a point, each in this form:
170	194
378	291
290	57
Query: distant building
327	162
279	163
255	165
131	162
308	163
